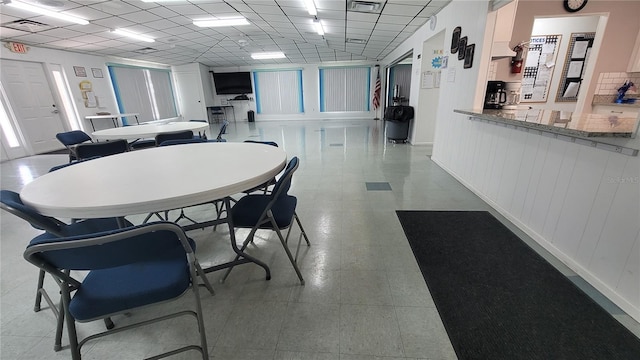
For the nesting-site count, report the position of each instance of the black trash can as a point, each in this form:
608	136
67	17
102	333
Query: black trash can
251	115
397	119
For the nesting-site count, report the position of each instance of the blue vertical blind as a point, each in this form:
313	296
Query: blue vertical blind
278	92
345	89
145	91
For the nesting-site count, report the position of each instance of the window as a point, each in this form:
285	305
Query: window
278	92
345	89
147	92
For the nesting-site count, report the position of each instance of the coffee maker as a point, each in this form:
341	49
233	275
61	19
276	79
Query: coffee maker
496	95
512	88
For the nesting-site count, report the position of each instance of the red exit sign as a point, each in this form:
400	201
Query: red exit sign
17	47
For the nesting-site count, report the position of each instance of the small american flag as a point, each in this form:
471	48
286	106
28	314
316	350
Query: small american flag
376	91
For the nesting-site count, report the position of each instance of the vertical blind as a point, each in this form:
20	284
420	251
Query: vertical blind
278	92
147	92
345	89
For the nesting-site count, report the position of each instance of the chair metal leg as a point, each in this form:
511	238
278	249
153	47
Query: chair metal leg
284	245
41	275
304	233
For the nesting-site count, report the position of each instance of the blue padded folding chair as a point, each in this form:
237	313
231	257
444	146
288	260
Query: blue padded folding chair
275	211
106	148
175	135
223	130
62	166
10	201
71	139
203	134
127	269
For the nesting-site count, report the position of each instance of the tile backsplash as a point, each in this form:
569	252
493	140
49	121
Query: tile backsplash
608	83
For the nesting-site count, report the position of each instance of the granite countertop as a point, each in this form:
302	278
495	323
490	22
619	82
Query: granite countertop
596	128
611	100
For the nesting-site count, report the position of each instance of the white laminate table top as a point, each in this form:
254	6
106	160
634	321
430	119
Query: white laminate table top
110	116
152	180
147	130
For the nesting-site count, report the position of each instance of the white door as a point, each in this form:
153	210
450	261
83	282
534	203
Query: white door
31	100
190	96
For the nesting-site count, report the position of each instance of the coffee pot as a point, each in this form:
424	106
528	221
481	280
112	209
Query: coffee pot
512	89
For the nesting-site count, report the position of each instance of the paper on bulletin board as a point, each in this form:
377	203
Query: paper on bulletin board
572	90
427	80
91	101
533	57
580	50
575	69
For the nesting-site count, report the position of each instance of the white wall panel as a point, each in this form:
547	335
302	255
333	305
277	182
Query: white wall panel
546	186
498	163
523	181
601	206
536	175
580	195
620	230
559	191
513	161
629	286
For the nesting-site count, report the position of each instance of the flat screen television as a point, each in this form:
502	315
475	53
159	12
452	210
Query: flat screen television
232	83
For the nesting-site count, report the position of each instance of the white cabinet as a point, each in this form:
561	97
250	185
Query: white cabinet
620	111
634	62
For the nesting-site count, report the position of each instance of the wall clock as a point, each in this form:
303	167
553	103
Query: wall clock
574	5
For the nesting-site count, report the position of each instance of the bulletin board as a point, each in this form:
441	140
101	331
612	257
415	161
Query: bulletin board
538	68
574	65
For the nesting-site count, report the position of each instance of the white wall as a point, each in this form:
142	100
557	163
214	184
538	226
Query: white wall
458	85
102	87
310	91
580	203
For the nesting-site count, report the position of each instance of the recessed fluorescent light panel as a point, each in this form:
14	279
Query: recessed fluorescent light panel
268	55
318	26
221	22
132	35
46	12
311	7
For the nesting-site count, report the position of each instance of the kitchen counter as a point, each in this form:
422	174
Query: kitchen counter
610	100
608	132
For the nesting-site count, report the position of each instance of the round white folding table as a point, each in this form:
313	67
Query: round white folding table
157	179
147	130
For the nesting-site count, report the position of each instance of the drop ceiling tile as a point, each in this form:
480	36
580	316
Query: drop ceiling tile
6	33
163	12
89	13
360	25
293	11
115	7
331	14
61	33
185	9
358	16
141	17
161	24
35	39
113	22
89	29
394	19
64	44
405	10
90	39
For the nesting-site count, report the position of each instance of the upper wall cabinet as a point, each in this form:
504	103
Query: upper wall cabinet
634	62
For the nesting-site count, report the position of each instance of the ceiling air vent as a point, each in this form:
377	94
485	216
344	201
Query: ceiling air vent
27	25
147	50
364	6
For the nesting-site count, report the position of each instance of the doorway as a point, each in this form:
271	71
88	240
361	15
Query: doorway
32	114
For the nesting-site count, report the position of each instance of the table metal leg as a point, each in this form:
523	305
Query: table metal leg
241	256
